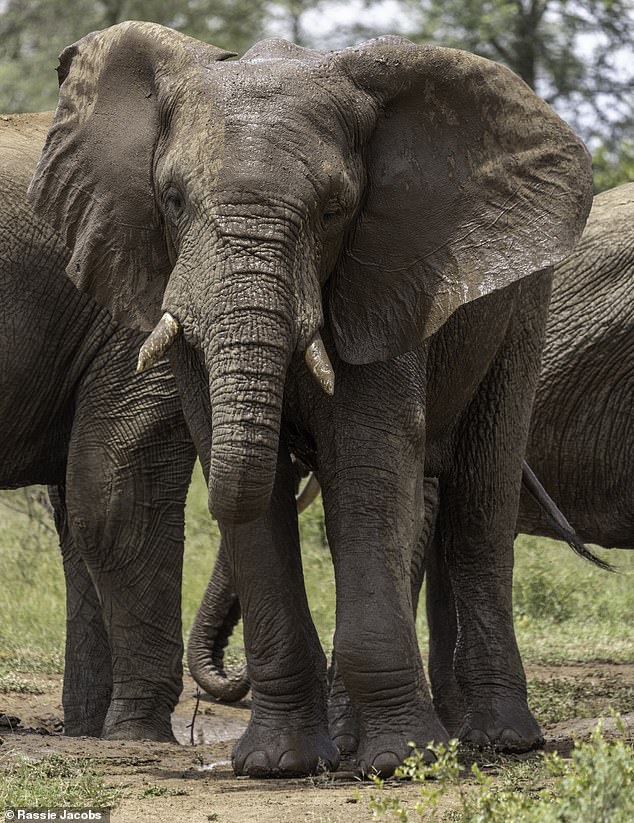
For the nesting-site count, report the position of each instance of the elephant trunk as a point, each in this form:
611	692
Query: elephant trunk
249	301
246	386
249	331
217	616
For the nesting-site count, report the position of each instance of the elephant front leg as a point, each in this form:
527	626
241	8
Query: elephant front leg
288	732
343	720
375	640
373	498
133	553
87	666
129	466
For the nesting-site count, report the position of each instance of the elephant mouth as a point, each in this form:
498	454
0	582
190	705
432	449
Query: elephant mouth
168	329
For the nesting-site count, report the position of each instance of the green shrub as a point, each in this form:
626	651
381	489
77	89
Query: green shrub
596	785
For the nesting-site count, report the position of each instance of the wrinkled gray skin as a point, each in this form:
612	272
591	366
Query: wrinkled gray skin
115	452
401	199
581	441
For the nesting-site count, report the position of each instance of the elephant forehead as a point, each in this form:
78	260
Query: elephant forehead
246	124
279	92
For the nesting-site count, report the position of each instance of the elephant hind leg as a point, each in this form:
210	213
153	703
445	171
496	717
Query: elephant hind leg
479	498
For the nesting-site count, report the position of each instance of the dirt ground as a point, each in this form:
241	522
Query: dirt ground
175	782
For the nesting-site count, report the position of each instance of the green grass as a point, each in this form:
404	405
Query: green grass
558	699
568	610
53	782
565	609
10	682
162	791
32	593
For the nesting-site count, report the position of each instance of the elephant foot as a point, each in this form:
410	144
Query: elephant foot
450	707
343	724
138	729
383	753
506	725
269	752
139	719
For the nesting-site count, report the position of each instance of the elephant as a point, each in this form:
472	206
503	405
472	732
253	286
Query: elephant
581	440
113	448
389	214
580	447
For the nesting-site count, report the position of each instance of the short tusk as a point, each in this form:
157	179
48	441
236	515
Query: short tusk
161	338
308	493
319	364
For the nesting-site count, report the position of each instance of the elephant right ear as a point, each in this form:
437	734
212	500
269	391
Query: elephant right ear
94	180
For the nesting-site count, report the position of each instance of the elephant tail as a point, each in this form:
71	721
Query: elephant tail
556	519
217	616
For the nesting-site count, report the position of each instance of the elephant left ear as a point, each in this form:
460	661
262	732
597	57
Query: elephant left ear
473	182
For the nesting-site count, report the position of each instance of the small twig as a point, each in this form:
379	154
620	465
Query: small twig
193	723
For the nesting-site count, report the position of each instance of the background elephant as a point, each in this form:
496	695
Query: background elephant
409	202
115	451
581	439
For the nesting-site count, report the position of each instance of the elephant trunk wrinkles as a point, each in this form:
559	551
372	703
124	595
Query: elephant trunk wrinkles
247	355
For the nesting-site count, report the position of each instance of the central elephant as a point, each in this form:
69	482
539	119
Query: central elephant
388	214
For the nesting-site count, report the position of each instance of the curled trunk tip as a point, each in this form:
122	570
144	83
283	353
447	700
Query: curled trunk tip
319	364
159	341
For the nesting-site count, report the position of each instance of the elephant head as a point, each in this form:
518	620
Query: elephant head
374	189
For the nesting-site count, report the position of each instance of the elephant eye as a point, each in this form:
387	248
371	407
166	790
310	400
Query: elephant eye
331	213
174	204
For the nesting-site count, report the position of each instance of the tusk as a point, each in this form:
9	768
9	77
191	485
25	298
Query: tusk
161	338
319	364
308	493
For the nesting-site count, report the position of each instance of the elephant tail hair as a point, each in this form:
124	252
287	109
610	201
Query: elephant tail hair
556	520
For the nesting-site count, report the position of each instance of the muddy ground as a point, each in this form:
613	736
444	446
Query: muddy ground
172	782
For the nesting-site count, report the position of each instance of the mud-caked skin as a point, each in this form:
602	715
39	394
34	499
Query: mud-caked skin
407	202
115	452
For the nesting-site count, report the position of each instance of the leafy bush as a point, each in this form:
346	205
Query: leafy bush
596	785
